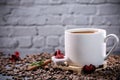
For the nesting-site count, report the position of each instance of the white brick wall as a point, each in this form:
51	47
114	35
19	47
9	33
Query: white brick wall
24	31
52	41
50	30
32	26
8	43
24	42
38	42
84	9
109	9
6	31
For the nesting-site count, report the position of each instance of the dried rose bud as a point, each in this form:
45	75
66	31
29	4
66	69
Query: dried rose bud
55	53
15	57
89	69
58	54
17	54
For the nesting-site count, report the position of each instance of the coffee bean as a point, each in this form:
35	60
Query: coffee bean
103	69
46	68
69	72
19	68
4	74
51	69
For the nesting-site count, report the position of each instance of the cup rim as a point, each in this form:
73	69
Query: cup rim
69	31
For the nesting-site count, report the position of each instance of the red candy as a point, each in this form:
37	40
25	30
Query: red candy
58	54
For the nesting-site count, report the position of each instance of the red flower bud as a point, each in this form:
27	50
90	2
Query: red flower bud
89	69
15	57
58	54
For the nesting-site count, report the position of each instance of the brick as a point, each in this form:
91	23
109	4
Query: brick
98	1
2	21
38	42
38	2
75	19
38	20
62	41
48	49
54	9
113	20
68	1
91	1
2	1
83	1
7	50
112	30
113	1
4	10
12	2
68	19
55	1
53	20
105	26
27	2
52	41
98	20
24	42
50	30
77	26
24	31
25	11
117	50
108	9
81	20
110	42
84	9
6	31
119	30
8	43
12	20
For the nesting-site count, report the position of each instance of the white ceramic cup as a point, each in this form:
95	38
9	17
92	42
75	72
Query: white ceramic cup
86	48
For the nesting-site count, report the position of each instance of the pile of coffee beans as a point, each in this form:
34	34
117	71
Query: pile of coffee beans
18	70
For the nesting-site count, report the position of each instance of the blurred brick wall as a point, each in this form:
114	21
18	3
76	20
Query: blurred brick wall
32	26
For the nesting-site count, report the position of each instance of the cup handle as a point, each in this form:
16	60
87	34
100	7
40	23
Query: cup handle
114	46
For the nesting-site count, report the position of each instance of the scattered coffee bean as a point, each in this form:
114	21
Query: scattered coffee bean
67	72
18	69
46	68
